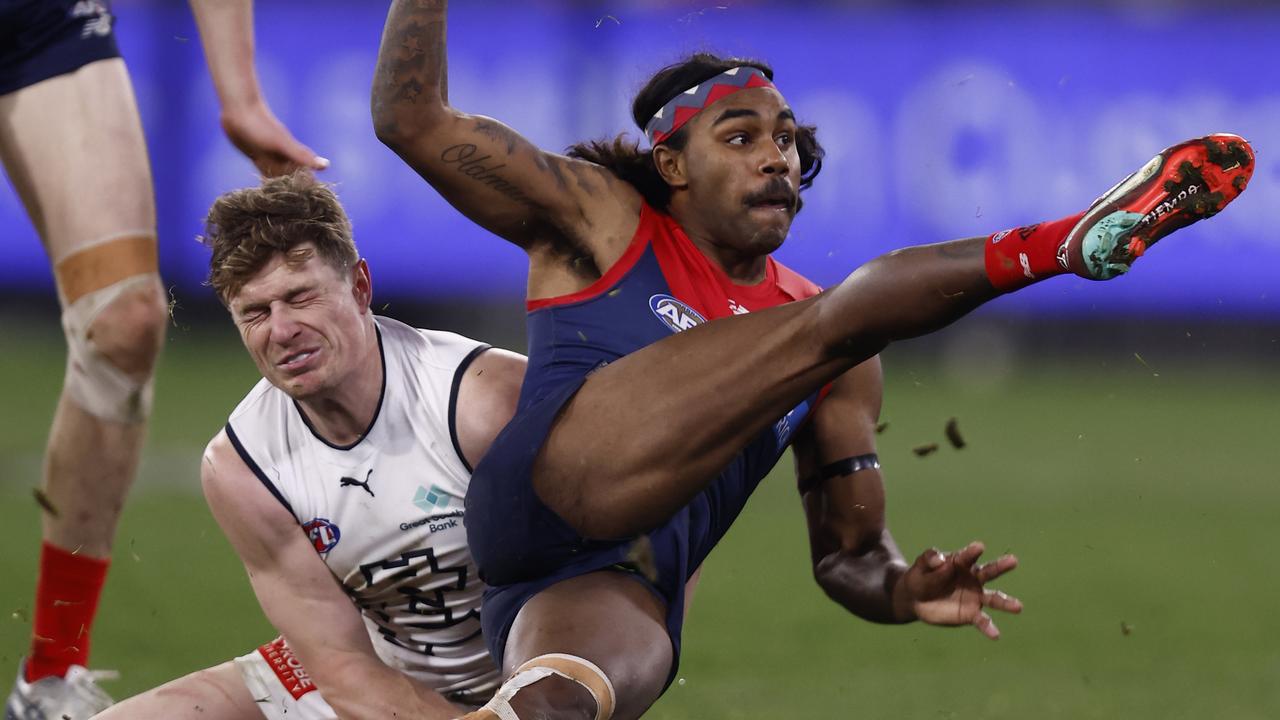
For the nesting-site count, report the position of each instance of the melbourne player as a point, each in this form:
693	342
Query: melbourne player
72	146
339	480
607	460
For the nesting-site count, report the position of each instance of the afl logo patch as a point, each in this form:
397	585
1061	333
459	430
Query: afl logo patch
324	535
675	314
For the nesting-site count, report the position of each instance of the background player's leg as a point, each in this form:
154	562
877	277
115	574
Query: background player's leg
647	432
218	693
606	618
73	147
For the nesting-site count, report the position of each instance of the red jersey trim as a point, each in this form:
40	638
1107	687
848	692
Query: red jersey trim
793	283
764	292
777	277
698	280
629	258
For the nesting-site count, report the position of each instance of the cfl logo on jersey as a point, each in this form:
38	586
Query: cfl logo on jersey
323	534
674	314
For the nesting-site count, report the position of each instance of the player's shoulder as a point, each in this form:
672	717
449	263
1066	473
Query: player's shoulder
432	348
222	465
263	398
257	432
491	382
240	496
218	447
793	283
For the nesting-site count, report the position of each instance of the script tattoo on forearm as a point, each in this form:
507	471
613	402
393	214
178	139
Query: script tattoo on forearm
411	85
513	142
483	170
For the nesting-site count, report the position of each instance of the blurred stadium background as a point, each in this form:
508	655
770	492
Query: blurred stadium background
1120	437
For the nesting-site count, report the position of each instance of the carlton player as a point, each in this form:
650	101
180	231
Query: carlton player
340	480
632	449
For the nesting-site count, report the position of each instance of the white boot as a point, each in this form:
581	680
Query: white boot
75	696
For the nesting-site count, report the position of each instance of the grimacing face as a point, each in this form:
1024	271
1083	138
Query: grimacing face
743	169
304	323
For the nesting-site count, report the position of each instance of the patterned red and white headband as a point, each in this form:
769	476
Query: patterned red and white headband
683	107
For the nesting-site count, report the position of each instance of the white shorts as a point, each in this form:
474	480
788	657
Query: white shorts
280	686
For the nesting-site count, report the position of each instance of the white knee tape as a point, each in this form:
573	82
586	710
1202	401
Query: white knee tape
570	667
92	382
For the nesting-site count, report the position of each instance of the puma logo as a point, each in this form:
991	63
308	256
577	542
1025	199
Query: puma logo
350	482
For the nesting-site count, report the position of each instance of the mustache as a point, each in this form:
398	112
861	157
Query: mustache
776	189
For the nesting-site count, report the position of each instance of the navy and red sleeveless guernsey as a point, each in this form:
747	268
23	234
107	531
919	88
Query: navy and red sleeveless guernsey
661	284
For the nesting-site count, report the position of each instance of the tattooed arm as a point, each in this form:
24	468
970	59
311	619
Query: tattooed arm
483	168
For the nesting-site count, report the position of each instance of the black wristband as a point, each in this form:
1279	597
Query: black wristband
840	468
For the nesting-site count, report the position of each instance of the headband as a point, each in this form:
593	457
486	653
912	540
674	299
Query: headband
683	107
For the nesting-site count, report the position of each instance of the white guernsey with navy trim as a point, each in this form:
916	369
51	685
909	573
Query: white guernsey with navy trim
386	512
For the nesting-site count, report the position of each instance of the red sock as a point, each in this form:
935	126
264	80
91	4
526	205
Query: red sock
1016	258
66	601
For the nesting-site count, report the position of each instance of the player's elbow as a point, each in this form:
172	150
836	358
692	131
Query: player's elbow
843	582
354	684
861	583
341	682
399	127
827	573
388	128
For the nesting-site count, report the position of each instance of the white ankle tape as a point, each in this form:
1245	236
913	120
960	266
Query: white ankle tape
92	381
570	667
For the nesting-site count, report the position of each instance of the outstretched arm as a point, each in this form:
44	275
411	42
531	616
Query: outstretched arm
304	602
226	31
485	169
855	559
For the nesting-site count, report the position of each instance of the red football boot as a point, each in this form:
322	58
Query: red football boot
1185	183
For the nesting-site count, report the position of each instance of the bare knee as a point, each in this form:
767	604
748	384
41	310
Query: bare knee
552	687
605	631
554	698
113	338
128	332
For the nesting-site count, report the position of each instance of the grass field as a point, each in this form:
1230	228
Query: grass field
1142	502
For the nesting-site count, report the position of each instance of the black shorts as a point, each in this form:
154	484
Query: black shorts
40	39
